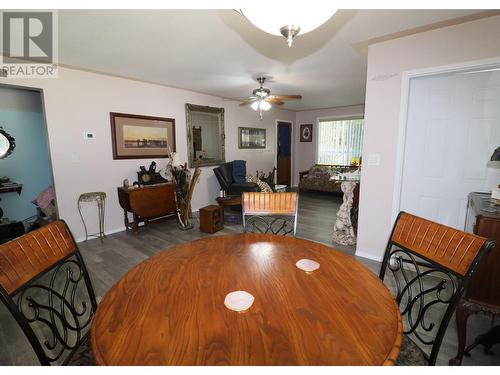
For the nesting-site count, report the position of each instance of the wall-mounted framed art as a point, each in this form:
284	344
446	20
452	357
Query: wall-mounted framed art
141	137
306	131
249	138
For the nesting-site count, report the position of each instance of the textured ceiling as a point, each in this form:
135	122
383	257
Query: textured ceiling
219	52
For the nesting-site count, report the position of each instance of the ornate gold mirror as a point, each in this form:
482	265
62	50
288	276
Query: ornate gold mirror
205	130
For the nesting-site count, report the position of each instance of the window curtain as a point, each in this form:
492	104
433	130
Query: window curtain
339	141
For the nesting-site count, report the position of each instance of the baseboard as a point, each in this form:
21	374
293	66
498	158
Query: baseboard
369	256
116	230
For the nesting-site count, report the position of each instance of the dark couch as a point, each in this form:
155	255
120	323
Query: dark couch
224	174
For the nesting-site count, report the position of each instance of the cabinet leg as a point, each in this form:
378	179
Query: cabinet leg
463	312
125	220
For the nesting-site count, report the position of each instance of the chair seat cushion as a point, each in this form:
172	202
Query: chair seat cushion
410	354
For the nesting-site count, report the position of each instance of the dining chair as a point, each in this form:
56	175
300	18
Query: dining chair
274	213
46	287
430	265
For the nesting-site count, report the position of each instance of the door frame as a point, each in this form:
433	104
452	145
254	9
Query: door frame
292	147
406	78
46	126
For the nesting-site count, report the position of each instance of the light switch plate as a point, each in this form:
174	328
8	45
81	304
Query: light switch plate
88	135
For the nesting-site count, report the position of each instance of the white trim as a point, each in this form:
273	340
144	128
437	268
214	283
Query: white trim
292	149
406	77
369	256
112	231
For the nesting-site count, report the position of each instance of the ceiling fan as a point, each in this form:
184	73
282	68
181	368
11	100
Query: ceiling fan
262	100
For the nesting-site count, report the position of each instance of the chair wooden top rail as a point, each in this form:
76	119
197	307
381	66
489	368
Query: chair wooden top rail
452	248
269	203
28	256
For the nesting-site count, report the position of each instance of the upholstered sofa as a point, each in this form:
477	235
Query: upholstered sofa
318	178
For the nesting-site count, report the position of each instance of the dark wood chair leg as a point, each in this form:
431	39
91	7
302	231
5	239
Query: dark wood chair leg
136	223
463	312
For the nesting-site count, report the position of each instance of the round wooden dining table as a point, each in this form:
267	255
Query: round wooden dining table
169	309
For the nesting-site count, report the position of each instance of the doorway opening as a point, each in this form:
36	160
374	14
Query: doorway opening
284	153
452	129
26	179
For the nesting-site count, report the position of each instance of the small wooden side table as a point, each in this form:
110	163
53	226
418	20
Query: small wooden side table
229	201
211	219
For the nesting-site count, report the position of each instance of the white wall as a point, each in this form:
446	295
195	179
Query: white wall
305	152
386	63
78	101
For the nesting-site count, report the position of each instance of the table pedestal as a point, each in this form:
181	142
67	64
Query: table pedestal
343	231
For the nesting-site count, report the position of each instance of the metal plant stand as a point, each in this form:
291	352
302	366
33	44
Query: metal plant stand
100	198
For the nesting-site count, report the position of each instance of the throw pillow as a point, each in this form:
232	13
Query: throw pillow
239	171
263	186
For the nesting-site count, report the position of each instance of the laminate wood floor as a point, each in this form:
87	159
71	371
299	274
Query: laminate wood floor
110	259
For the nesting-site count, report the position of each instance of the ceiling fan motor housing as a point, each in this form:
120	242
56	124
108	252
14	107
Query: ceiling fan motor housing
261	92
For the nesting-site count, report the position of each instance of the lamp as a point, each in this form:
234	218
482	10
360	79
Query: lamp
261	105
288	21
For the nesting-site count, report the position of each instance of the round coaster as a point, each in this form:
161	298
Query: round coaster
307	265
239	300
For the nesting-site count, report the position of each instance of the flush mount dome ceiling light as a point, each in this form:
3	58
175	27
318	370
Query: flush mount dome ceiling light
288	22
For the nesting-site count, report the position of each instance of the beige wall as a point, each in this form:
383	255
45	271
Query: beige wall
78	101
305	152
386	64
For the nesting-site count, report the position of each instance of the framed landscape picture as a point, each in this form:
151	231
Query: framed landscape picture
306	131
251	138
141	137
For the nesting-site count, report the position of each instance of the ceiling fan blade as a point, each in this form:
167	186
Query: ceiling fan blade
248	101
274	101
239	99
285	97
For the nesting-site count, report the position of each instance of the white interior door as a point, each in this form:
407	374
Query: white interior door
453	127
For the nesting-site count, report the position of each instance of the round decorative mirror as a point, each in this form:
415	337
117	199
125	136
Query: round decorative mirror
7	143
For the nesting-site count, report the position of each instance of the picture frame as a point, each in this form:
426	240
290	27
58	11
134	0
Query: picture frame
141	137
306	132
251	138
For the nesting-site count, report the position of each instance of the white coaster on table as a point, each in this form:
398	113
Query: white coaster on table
239	300
307	265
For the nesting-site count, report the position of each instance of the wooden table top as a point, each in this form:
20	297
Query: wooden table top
169	310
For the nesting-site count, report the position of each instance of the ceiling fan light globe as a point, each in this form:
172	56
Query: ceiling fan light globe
306	19
255	105
265	106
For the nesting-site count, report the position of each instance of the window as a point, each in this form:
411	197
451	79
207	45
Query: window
339	141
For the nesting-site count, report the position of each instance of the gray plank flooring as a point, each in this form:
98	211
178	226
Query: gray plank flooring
110	259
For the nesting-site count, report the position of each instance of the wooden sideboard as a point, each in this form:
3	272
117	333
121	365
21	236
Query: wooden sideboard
483	292
147	203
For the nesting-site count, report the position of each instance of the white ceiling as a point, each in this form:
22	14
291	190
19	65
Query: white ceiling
218	52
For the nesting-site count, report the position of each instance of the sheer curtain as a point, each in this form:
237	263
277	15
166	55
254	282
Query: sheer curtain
339	141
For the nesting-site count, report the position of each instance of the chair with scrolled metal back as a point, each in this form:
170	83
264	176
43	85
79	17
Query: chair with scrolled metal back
430	266
46	287
274	213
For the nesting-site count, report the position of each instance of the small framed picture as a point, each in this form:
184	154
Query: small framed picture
251	138
306	131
